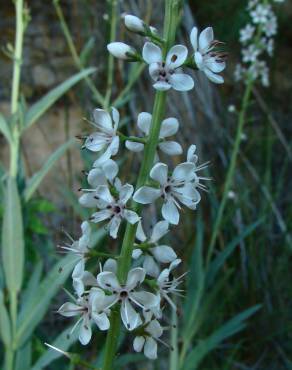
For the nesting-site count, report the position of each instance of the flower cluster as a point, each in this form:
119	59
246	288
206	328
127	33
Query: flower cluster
257	39
150	282
166	71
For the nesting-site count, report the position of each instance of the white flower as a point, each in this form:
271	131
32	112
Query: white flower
208	60
167	74
157	252
261	13
252	3
92	307
102	174
246	33
147	340
121	50
250	53
134	24
80	247
174	189
239	72
169	286
193	158
112	208
106	139
82	278
127	295
270	26
169	127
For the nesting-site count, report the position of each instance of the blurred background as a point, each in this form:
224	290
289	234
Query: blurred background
259	269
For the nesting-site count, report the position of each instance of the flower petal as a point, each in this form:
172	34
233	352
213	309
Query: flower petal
169	127
164	253
181	82
154	328
194	38
88	200
140	235
135	276
176	56
159	230
191	156
110	265
151	53
138	344
214	77
114	226
144	122
146	195
104	193
85	332
69	309
205	38
108	280
131	216
101	320
130	317
151	266
100	216
136	253
162	86
184	172
116	117
110	169
95	142
159	173
150	348
145	299
170	212
170	147
134	147
96	177
126	192
103	120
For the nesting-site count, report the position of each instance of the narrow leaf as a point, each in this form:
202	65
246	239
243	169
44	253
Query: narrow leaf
32	285
23	357
228	329
31	314
34	182
4	128
12	238
5	327
41	106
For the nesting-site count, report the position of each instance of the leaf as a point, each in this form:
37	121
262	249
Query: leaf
12	238
220	259
86	51
23	357
34	310
34	182
5	327
228	329
41	106
4	128
63	342
32	284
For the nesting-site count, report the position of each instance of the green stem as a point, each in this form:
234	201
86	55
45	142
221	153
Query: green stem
172	13
110	69
8	361
232	165
97	95
174	340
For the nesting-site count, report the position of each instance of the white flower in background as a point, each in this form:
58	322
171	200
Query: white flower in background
167	74
173	190
270	26
158	253
269	45
121	50
90	308
231	108
168	286
208	60
134	23
106	139
252	3
169	127
250	53
239	72
196	180
148	340
128	295
113	208
246	33
261	13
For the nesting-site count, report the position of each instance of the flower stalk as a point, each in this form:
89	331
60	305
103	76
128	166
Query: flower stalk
172	8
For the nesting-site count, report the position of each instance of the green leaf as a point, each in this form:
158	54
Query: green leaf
23	357
41	106
5	327
63	342
34	182
34	310
12	238
228	329
4	128
32	284
86	51
220	259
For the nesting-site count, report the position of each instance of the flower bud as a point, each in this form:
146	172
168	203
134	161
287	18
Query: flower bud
121	50
134	23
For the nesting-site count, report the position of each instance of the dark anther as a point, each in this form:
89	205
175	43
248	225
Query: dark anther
174	58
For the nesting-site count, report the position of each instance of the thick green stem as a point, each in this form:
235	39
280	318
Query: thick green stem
232	165
172	13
